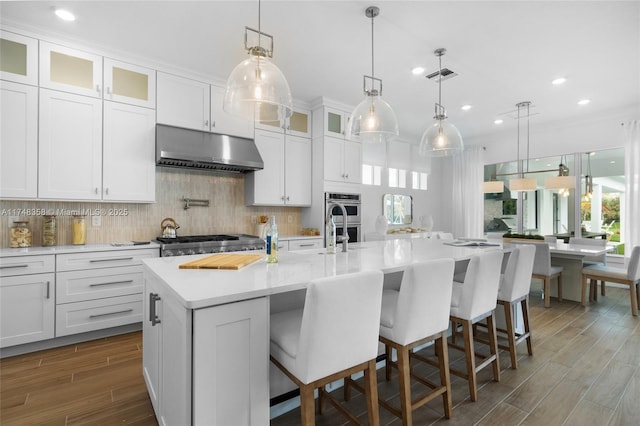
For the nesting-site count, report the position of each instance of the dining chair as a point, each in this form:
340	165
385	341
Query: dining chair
472	301
629	276
414	315
333	336
513	290
593	260
545	271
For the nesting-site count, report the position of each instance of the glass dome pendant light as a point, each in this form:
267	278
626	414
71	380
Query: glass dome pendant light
256	88
373	120
441	139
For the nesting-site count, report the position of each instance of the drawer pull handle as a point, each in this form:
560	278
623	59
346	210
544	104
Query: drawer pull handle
111	283
111	260
306	245
14	266
48	286
153	317
110	313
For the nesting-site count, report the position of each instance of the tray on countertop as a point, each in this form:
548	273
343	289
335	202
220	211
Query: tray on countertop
222	261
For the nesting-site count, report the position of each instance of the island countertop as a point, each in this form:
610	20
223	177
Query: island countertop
197	288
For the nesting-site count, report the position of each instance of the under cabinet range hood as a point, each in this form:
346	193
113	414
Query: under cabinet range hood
195	149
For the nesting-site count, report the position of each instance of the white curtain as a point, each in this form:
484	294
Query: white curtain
632	185
468	198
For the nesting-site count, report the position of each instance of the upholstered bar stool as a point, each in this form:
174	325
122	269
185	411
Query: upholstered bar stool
593	260
473	301
417	314
514	289
332	337
629	276
545	271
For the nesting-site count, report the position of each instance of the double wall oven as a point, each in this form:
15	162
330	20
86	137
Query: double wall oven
352	205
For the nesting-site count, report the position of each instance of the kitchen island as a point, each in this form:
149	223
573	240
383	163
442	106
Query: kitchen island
206	332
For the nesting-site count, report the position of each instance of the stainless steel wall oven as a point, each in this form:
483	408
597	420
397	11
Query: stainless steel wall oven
353	206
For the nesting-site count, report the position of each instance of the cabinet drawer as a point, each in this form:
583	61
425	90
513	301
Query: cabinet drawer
305	244
103	259
80	317
78	286
23	265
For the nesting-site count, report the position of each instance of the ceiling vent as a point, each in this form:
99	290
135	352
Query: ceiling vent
441	75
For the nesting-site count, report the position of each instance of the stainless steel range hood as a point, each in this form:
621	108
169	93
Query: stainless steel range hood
194	149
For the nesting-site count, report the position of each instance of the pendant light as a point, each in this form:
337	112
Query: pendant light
441	139
493	187
373	120
588	181
256	88
563	182
522	183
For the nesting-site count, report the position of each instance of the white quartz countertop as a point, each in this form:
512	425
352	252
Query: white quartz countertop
84	248
199	288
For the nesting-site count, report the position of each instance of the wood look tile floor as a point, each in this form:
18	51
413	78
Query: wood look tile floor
585	371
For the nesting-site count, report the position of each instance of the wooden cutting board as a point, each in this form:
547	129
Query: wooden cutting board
222	261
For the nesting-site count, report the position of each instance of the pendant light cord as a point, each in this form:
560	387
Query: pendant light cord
259	24
440	81
372	68
528	138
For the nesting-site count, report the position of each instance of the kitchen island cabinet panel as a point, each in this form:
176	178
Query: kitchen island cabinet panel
129	169
70	152
18	140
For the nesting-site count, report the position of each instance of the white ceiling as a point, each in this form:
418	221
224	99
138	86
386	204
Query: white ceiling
504	52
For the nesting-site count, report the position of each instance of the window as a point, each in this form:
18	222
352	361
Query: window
371	175
397	178
419	180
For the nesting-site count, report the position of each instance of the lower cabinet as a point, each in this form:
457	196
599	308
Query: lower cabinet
205	366
306	244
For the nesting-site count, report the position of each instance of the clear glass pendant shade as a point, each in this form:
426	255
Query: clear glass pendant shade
257	88
440	140
373	121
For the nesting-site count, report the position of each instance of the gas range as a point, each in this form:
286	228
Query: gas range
201	244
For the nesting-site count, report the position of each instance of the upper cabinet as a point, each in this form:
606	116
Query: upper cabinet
129	84
335	122
299	124
225	123
183	102
18	140
18	58
70	70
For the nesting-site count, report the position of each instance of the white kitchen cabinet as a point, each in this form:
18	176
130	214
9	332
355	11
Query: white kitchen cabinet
306	244
130	84
224	123
335	122
27	299
129	169
298	124
18	58
166	354
70	70
70	151
18	140
286	177
183	102
342	160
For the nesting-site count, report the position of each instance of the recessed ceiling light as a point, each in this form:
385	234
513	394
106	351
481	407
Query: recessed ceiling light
612	162
498	121
417	70
65	15
558	81
584	101
465	107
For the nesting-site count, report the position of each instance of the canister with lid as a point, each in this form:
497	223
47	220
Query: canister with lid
49	230
20	234
79	230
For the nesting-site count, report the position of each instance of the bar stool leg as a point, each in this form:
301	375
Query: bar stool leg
469	351
525	319
511	335
404	376
442	350
493	346
307	405
547	288
371	393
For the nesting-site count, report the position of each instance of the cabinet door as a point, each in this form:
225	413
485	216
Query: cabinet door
70	70
299	124
182	102
27	306
297	171
334	122
151	340
129	168
225	123
130	84
352	161
266	186
18	140
266	113
333	159
18	58
70	152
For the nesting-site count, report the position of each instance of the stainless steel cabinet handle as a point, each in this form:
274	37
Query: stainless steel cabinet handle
106	191
48	286
206	123
307	245
111	283
110	313
109	90
96	190
98	88
288	198
110	260
14	266
346	176
153	317
213	123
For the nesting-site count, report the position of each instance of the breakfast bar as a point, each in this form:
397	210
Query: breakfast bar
206	332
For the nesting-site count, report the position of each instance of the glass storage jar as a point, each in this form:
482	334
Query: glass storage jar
20	234
49	230
79	230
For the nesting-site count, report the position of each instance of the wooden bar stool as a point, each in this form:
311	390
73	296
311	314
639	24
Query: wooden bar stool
417	314
333	336
471	302
545	271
